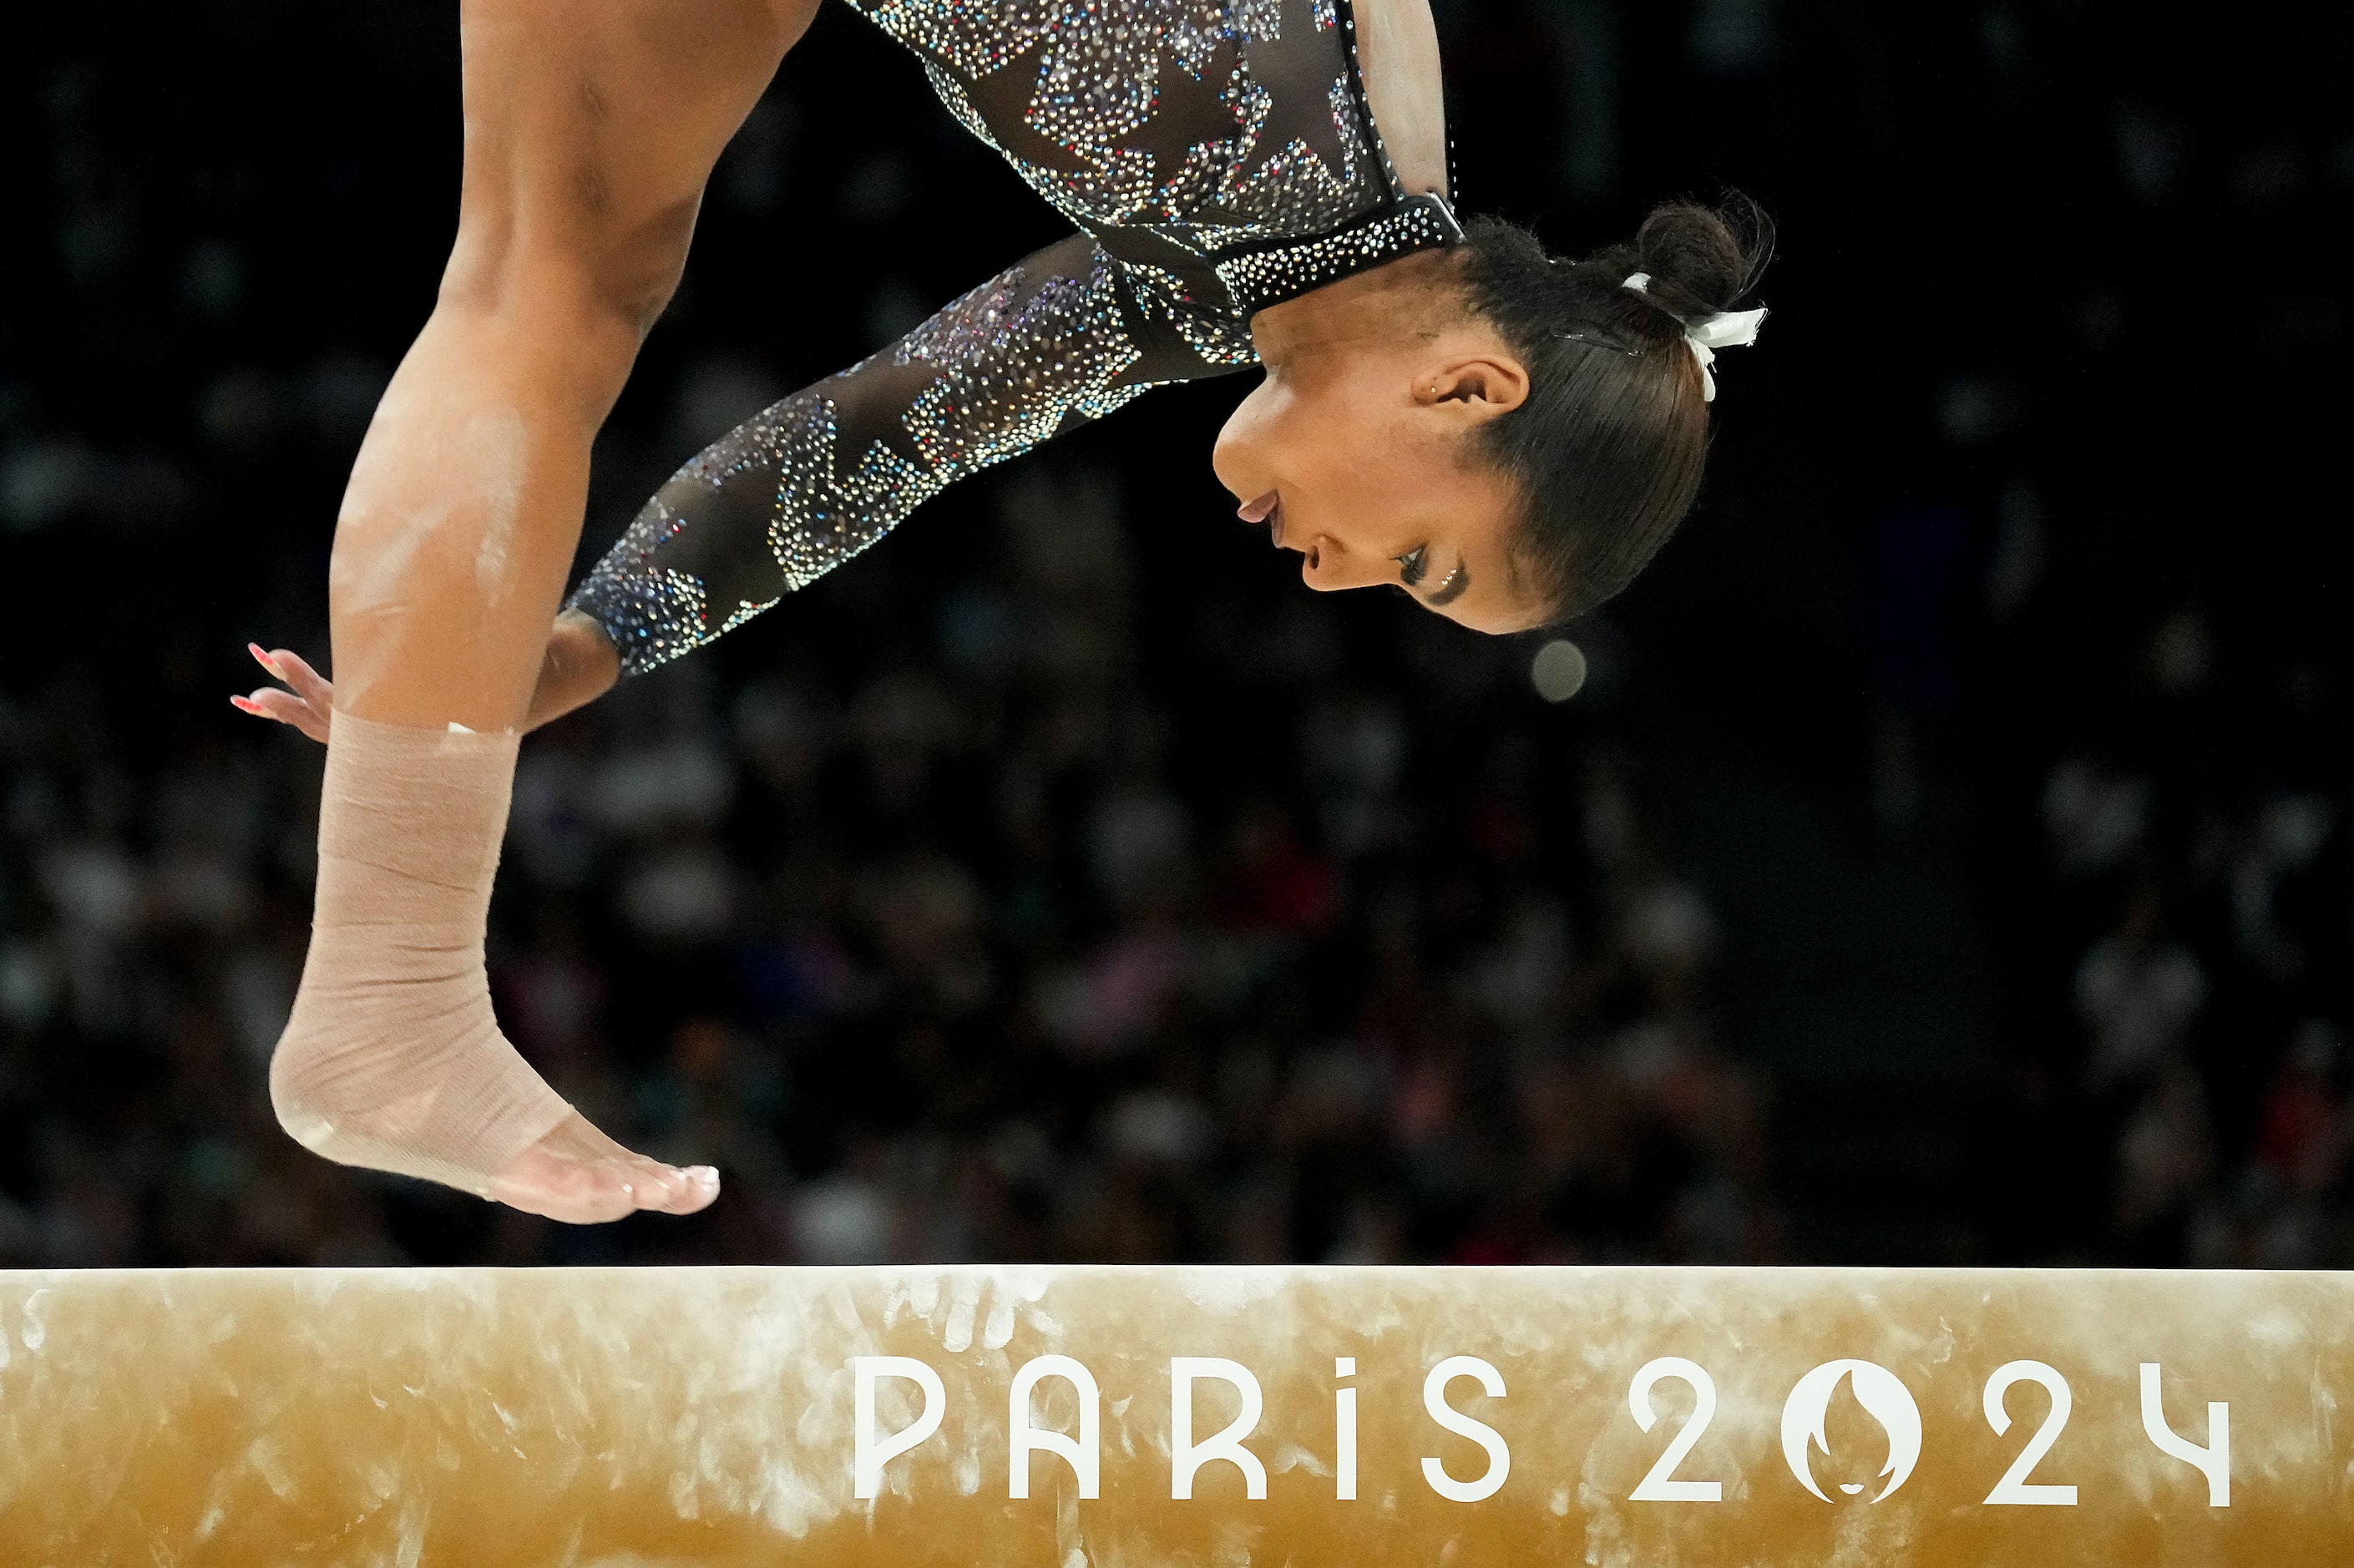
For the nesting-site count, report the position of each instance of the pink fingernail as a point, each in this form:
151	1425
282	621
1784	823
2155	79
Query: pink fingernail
262	657
245	705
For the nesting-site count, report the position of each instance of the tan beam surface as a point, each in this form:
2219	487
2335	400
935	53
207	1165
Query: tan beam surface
679	1416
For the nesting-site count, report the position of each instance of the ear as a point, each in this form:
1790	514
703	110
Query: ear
1476	386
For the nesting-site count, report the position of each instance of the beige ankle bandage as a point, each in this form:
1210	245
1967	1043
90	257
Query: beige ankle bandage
392	1058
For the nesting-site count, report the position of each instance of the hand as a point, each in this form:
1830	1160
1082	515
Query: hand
579	666
310	706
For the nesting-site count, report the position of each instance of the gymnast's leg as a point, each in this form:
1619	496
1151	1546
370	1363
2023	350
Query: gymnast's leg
591	126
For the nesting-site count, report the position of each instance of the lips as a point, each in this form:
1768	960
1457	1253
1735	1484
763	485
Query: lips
1266	509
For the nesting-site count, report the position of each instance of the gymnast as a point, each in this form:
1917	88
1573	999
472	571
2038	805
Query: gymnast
1506	436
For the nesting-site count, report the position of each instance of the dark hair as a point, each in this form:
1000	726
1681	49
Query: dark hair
1607	450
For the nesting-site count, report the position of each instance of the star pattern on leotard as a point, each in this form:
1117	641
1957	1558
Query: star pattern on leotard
1003	98
871	404
1187	111
1295	49
1207	97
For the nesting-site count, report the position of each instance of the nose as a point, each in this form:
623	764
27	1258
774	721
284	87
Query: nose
1329	567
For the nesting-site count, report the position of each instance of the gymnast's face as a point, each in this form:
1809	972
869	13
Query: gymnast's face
1357	451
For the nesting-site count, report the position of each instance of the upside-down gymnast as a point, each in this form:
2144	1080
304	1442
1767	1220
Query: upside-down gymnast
1506	436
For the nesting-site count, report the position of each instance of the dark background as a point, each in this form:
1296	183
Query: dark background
1947	860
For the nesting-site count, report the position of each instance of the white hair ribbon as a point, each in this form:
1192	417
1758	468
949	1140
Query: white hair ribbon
1725	329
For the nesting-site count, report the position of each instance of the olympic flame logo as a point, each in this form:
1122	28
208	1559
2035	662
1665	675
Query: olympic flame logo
1883	1398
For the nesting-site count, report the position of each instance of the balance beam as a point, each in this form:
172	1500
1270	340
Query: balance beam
1218	1418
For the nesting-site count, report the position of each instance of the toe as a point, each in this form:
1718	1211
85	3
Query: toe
666	1189
693	1190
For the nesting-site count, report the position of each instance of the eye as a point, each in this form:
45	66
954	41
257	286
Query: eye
1412	564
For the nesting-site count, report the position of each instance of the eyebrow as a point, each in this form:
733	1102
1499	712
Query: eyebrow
1450	590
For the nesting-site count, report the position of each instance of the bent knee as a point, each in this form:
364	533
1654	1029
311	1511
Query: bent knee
577	252
639	259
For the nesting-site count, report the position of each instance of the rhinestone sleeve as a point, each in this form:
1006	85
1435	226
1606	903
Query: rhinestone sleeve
1063	337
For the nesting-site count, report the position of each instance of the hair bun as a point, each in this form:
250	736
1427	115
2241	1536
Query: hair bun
1703	260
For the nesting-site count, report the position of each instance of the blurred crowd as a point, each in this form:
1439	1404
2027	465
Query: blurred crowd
945	935
2200	927
1059	881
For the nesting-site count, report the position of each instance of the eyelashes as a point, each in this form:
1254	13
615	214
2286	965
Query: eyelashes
1413	565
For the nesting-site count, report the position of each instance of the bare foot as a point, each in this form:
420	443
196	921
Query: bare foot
579	1175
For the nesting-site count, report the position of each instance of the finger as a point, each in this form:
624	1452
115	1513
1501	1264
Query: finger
269	702
309	684
285	707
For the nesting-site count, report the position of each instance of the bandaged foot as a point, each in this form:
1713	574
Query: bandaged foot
393	1059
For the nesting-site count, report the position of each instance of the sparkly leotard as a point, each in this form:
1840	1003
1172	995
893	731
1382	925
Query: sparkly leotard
1216	155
